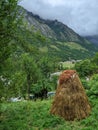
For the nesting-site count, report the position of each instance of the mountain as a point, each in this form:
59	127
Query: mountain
93	39
60	40
52	28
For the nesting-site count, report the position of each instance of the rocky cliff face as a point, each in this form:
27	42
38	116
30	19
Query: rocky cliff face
52	28
39	25
62	32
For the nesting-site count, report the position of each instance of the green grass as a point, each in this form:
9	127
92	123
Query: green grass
44	49
30	115
68	64
73	45
54	47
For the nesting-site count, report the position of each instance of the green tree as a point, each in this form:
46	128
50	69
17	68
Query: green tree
8	24
45	65
31	70
85	68
95	59
9	21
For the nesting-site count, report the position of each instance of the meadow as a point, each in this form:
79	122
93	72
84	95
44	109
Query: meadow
35	115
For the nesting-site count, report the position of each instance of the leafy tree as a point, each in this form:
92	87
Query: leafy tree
86	67
10	20
45	65
8	24
17	86
31	70
95	59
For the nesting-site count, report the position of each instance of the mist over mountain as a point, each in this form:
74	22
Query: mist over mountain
93	39
80	15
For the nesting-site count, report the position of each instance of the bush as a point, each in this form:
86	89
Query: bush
86	68
93	86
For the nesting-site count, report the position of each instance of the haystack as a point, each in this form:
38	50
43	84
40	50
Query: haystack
70	101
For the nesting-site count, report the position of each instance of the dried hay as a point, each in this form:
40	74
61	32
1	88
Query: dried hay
70	101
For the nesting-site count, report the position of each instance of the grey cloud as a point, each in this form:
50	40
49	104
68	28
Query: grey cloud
81	16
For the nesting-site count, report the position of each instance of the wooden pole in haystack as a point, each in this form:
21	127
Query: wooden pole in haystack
70	101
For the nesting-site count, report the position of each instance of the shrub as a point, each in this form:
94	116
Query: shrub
93	86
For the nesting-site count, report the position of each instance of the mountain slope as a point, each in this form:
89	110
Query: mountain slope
93	39
61	41
52	28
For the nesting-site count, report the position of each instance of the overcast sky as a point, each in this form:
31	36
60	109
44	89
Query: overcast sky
80	15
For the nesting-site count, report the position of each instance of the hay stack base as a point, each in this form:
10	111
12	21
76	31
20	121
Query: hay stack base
70	101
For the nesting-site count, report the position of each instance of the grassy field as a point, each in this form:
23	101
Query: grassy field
68	64
30	115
